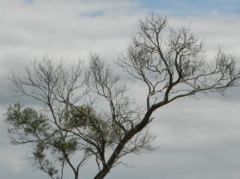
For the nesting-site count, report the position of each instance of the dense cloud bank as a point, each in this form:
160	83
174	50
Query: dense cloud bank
195	138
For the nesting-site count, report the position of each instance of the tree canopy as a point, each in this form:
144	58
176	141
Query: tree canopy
88	111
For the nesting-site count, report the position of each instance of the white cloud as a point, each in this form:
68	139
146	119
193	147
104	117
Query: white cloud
193	136
59	28
12	160
214	31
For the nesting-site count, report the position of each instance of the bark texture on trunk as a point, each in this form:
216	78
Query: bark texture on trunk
105	170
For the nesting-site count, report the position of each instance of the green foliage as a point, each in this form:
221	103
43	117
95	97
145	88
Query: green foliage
50	145
29	126
41	159
80	116
39	151
28	120
68	145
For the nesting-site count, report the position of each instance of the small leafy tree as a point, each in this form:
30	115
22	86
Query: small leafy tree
52	147
91	112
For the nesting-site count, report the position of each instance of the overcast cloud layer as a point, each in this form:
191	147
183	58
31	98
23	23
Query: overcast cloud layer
196	139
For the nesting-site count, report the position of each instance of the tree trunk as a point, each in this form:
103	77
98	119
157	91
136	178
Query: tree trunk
76	175
102	173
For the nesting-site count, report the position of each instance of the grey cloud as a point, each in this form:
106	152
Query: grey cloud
196	138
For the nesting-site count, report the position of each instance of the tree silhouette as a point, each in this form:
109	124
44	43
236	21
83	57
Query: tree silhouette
89	111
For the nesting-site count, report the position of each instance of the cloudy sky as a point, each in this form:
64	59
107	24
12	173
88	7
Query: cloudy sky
196	138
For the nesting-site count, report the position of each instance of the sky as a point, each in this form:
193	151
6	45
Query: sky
195	138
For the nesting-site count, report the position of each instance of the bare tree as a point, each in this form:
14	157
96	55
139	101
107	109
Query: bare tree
172	66
122	116
92	113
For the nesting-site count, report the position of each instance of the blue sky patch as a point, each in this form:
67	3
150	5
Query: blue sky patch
28	1
193	7
93	13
